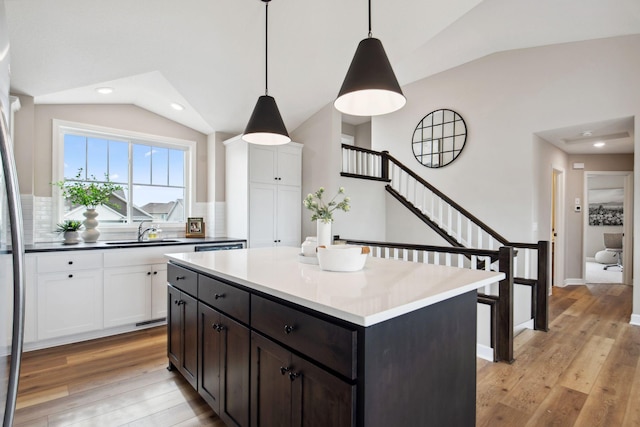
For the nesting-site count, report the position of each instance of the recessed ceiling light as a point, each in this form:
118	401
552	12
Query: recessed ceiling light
177	106
599	144
104	90
587	133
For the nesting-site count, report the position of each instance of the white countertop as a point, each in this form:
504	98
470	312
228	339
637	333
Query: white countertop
384	289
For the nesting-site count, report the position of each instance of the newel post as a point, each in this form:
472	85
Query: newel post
504	351
385	165
541	322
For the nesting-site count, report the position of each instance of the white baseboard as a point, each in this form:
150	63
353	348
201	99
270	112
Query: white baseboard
522	326
484	352
71	339
635	319
568	282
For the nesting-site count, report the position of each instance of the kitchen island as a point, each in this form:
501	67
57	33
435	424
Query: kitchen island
267	340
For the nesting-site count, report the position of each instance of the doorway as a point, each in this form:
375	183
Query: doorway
557	229
608	201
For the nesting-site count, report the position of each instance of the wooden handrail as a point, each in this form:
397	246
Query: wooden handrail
427	248
450	202
361	149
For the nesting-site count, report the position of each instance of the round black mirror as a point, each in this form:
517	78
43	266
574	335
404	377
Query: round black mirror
439	138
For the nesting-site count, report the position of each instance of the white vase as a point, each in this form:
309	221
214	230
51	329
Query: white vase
90	233
71	237
323	233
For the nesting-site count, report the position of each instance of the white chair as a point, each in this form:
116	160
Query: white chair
613	243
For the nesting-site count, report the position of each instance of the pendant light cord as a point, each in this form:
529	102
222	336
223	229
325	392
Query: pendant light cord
369	18
266	47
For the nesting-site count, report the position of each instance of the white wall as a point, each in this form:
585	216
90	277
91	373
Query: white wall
505	99
321	167
551	161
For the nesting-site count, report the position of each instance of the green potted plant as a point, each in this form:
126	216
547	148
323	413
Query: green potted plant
69	229
323	212
90	194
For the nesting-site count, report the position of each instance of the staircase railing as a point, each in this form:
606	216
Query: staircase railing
452	222
499	297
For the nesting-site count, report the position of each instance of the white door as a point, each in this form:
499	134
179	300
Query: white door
288	216
262	208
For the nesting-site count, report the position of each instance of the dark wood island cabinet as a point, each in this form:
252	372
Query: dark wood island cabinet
278	343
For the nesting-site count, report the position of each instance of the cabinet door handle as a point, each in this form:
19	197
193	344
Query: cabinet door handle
70	276
155	272
70	262
218	327
284	370
218	296
178	302
148	273
288	329
293	375
180	277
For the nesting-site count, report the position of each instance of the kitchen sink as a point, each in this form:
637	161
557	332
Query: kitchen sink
144	242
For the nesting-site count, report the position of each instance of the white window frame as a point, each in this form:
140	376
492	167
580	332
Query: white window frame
61	127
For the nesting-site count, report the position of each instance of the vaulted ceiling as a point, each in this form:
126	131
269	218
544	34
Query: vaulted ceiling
208	55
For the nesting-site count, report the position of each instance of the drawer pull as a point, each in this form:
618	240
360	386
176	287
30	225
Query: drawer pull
293	375
218	296
284	370
70	276
70	262
218	327
180	278
288	329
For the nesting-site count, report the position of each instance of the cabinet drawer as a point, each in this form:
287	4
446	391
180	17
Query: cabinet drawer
224	297
332	345
69	262
183	279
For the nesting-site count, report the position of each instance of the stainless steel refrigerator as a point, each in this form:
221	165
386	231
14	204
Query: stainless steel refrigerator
11	241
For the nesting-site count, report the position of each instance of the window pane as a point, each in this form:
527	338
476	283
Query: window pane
75	155
97	158
141	164
176	168
119	161
158	204
157	178
160	166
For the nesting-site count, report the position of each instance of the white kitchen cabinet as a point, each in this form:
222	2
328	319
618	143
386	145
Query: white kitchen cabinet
263	188
127	295
135	284
275	165
159	291
69	294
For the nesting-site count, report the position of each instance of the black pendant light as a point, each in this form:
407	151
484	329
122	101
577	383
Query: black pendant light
265	126
370	87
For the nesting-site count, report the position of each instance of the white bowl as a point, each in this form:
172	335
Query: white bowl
342	257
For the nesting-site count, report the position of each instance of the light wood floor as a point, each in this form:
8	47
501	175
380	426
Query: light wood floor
584	372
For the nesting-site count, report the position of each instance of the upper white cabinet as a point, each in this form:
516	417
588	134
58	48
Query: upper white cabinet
263	192
275	165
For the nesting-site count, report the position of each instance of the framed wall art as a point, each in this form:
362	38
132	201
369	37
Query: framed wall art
606	206
195	227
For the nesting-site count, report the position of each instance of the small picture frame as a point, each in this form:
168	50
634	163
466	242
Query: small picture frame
195	227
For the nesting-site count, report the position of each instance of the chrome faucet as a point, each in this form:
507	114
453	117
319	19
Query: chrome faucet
142	232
